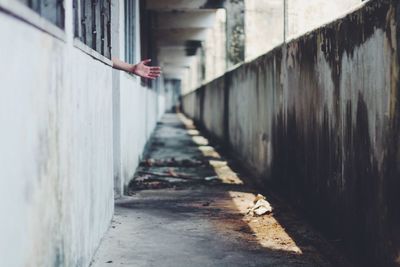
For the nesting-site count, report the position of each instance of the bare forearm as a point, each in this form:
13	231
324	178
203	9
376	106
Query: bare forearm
140	69
121	65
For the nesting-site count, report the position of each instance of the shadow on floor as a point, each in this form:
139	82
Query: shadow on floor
189	206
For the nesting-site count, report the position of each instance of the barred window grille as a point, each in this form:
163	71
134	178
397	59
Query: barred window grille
130	32
52	10
92	21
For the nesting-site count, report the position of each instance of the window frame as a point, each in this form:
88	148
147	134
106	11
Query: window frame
80	33
130	30
26	14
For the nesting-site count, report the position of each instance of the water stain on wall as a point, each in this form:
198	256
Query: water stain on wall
335	127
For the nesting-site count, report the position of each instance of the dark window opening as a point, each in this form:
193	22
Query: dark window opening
92	21
52	10
130	32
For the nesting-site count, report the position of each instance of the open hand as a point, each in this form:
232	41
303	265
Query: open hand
141	69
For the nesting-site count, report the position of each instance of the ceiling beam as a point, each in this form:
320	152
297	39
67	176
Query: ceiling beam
179	36
173	20
170	5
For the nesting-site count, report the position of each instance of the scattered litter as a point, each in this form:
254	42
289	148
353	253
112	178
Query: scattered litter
169	173
148	179
261	206
149	162
150	183
172	172
172	162
258	197
142	178
212	178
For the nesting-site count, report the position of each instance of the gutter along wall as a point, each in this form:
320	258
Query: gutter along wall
319	118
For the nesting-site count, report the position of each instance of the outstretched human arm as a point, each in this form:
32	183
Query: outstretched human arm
141	69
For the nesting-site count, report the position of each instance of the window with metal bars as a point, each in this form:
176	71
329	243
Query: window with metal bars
52	10
130	31
92	21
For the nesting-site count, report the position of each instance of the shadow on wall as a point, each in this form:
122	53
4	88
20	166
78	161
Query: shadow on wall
319	118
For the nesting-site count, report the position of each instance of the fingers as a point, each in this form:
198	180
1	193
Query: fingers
153	75
146	61
155	68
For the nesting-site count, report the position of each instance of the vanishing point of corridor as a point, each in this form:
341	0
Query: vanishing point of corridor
188	206
283	148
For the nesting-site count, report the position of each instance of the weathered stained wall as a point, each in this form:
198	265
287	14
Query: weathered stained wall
319	119
235	31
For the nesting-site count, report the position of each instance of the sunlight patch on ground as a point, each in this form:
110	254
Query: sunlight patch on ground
193	132
209	151
266	229
186	121
225	173
200	140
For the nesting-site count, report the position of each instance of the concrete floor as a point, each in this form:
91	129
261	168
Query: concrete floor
188	207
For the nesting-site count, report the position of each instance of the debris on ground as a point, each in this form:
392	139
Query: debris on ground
258	197
145	179
212	206
170	173
172	162
212	179
261	206
148	182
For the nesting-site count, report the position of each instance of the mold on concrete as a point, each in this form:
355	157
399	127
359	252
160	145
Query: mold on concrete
318	119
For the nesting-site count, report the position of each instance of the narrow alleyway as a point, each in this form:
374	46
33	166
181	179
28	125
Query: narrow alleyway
189	208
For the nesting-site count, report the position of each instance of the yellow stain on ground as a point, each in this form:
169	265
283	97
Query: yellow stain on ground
193	132
265	229
225	173
186	121
209	151
200	140
268	232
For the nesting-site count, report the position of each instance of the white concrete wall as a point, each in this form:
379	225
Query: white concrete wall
56	145
304	16
263	26
139	115
215	47
56	182
264	20
138	107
